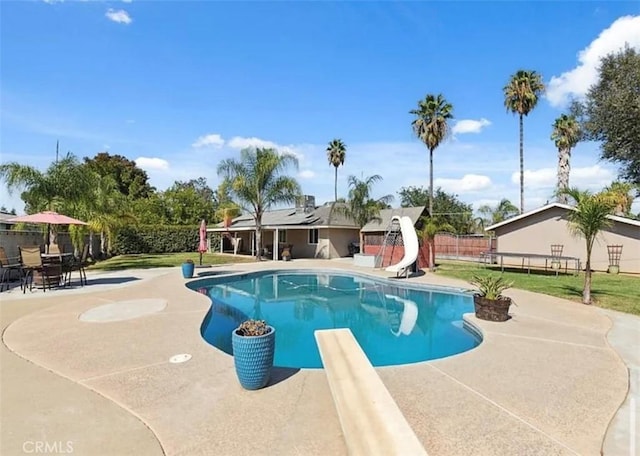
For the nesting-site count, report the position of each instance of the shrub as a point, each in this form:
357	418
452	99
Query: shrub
157	239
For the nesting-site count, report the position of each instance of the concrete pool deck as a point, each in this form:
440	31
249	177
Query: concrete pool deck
545	382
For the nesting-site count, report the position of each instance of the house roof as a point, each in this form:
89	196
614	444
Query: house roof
325	215
414	213
4	218
562	206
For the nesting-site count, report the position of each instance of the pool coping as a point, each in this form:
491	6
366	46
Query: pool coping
562	328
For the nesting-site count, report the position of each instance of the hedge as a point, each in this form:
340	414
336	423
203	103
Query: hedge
157	239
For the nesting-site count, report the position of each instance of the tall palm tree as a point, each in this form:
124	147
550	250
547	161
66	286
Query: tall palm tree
336	151
565	134
521	96
431	126
361	207
588	218
256	182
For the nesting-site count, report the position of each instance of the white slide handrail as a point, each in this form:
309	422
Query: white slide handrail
410	241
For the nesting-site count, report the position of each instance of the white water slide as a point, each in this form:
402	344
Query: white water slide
410	241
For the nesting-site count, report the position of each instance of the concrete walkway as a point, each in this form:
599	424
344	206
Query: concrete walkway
545	382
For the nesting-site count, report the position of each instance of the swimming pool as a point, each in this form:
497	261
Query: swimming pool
393	323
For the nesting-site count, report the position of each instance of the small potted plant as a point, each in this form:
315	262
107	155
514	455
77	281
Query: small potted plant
187	268
253	343
488	300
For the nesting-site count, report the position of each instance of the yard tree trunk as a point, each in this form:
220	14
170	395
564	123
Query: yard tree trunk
586	293
430	182
335	184
521	164
258	239
103	244
564	168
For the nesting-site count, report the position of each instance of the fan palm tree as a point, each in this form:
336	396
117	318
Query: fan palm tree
256	182
521	96
588	218
361	207
565	134
336	151
432	128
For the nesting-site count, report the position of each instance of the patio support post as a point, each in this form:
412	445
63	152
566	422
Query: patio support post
276	246
221	242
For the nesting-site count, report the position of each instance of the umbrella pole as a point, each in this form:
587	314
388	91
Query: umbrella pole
200	258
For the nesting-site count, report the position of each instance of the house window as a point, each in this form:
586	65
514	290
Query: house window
313	236
282	236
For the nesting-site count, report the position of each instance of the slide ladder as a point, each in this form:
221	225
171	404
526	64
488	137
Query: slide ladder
390	238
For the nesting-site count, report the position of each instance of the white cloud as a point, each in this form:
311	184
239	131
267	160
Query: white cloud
592	177
119	16
306	174
239	142
213	139
576	82
152	163
51	2
467	184
469	126
127	1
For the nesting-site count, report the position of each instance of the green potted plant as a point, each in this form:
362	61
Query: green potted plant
253	343
187	268
488	300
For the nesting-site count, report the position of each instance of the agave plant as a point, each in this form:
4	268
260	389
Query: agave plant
490	287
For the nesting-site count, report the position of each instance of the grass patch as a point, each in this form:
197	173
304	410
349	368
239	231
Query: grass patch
617	292
146	261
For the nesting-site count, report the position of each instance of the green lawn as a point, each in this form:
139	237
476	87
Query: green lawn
618	292
144	261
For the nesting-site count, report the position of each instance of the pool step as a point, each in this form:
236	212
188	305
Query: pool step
371	421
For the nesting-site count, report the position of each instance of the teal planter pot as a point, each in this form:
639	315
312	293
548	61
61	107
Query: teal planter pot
253	358
187	270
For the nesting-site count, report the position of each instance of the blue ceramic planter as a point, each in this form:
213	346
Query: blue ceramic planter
187	270
253	358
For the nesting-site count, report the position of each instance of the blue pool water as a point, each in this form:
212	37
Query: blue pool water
393	324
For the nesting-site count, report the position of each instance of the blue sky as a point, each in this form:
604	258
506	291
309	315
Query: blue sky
178	86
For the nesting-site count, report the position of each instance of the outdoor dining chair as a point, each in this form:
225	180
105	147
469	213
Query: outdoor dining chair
32	263
78	264
8	265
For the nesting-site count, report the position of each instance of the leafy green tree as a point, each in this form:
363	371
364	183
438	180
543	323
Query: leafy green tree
491	215
361	207
432	128
131	180
447	207
621	196
189	202
565	134
256	182
587	220
610	112
521	95
336	151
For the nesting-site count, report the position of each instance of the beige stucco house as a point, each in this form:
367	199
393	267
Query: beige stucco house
535	231
310	231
